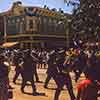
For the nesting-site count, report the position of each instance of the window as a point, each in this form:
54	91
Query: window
13	21
50	21
30	24
44	20
40	22
23	19
18	20
8	21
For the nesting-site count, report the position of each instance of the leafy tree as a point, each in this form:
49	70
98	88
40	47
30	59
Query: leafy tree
86	17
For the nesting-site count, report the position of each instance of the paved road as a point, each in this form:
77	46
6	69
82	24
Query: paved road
49	93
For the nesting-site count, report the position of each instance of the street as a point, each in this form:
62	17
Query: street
49	93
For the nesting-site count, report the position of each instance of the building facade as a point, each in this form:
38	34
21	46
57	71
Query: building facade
35	26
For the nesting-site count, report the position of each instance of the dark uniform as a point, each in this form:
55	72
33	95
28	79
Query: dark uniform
63	78
80	65
17	61
51	71
35	60
56	71
3	80
27	73
93	68
88	89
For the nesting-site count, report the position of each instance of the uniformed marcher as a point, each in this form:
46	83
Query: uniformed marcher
3	79
35	61
80	64
18	61
91	85
52	69
63	78
56	71
28	73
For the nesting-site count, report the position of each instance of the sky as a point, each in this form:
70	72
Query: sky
7	4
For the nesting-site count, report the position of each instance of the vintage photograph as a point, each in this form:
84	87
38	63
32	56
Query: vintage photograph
49	49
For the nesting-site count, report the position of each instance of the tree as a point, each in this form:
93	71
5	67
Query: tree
74	3
86	17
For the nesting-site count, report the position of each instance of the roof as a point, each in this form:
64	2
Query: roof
44	12
37	10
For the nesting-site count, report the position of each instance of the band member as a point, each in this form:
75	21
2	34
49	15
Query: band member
18	61
3	79
28	73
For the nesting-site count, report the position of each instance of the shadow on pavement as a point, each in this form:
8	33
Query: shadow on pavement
35	94
53	88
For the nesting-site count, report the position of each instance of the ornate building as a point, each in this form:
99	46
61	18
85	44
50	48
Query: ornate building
31	26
